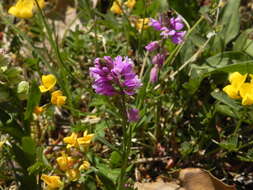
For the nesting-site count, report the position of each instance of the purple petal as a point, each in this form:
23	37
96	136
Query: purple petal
152	46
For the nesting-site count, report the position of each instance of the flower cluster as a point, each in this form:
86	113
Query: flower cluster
25	8
118	5
171	28
114	76
157	60
81	142
71	166
57	98
239	88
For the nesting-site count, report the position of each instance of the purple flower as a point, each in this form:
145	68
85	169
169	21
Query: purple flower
152	46
153	78
159	59
167	32
172	28
156	24
176	23
133	115
178	38
114	76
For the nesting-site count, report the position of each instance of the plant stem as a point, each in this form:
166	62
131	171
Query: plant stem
125	143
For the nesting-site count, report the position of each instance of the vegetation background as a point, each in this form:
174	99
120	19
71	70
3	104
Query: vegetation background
186	120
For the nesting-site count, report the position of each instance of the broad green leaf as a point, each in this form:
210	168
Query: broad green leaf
108	176
115	159
244	42
222	97
29	146
225	110
230	20
205	71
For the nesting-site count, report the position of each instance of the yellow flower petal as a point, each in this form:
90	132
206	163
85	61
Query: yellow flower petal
86	139
130	3
142	23
24	8
231	91
72	174
236	79
246	92
65	162
85	166
247	100
1	144
71	140
53	182
57	98
48	82
116	7
39	109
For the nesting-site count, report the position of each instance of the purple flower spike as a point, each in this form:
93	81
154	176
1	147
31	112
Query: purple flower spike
153	78
178	38
114	76
167	32
157	25
170	28
152	46
176	23
158	59
133	115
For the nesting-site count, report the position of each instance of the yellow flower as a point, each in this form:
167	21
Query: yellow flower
65	162
246	92
130	3
142	23
48	82
116	7
236	80
39	109
86	139
72	174
53	182
85	166
57	98
25	8
1	144
71	140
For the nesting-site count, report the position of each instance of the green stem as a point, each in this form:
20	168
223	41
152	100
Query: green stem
125	144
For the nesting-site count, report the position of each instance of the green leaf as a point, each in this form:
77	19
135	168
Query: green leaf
222	97
231	144
244	42
248	157
29	146
186	149
231	20
205	71
225	110
115	159
33	100
10	126
108	175
4	94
